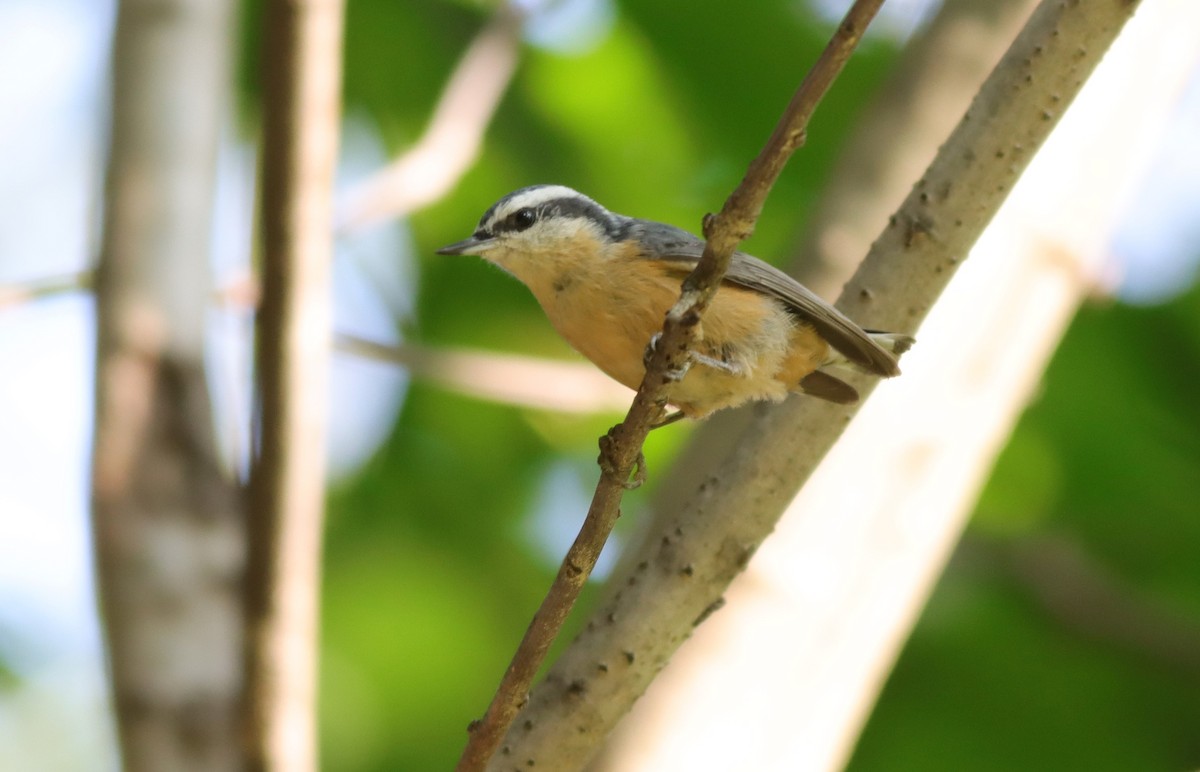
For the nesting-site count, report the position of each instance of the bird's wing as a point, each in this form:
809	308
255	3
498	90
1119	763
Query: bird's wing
677	245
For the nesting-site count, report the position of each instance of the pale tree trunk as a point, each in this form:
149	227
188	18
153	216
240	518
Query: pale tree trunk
166	517
678	578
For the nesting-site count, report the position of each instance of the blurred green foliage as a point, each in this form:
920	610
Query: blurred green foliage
430	574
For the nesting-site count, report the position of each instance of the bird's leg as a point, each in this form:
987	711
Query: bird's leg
693	357
733	368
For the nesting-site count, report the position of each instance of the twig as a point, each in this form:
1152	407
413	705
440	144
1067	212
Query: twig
1090	601
451	142
620	449
543	384
44	287
302	76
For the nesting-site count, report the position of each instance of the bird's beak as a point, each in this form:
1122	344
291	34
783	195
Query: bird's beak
472	246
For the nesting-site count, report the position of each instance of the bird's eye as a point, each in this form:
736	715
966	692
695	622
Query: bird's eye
523	218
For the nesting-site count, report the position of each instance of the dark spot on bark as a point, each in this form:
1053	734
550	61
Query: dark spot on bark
709	611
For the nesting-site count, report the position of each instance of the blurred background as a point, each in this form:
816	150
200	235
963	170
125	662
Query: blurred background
1065	632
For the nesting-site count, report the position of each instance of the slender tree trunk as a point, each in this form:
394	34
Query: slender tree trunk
301	117
166	518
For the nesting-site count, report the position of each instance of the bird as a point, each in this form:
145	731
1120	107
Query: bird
606	282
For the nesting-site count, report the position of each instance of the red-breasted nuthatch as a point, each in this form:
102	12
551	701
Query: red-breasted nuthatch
606	282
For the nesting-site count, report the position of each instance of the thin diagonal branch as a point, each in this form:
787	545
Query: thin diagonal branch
620	449
684	568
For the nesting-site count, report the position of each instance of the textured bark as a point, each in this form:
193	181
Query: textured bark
679	578
897	136
166	517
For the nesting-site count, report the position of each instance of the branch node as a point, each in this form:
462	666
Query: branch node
612	467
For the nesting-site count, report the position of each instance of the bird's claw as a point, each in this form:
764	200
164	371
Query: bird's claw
651	347
671	374
676	374
667	420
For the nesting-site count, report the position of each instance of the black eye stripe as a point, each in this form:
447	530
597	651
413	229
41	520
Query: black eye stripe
520	220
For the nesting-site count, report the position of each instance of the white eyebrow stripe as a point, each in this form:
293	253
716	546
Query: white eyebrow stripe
531	199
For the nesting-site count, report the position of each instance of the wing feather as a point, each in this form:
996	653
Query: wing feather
677	245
